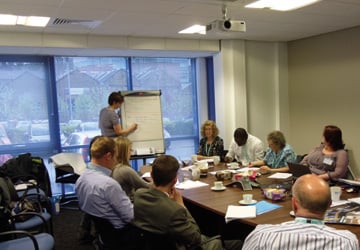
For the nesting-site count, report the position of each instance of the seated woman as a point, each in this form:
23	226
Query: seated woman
211	143
330	161
128	178
277	155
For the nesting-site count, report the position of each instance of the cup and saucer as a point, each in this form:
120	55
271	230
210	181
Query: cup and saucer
247	200
243	202
218	186
233	166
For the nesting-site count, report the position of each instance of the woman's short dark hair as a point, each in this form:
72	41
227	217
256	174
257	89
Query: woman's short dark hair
115	97
333	136
278	138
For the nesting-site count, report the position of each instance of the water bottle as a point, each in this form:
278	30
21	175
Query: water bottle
55	202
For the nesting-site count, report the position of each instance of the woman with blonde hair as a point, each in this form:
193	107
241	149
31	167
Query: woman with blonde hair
211	143
128	178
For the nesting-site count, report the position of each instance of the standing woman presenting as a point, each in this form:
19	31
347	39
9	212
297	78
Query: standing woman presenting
211	143
109	120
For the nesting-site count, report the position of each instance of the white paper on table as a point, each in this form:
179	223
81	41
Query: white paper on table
188	184
239	212
356	200
188	167
245	169
280	176
338	203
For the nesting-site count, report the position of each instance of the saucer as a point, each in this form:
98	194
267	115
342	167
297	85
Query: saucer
218	189
233	167
242	202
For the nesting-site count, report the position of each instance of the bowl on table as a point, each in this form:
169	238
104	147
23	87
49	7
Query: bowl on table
275	194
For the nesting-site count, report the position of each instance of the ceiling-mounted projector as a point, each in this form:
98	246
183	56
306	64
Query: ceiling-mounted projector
226	25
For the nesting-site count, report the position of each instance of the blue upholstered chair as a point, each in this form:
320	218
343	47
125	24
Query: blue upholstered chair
24	240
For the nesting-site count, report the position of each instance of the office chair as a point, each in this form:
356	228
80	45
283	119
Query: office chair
23	220
68	167
146	240
25	240
131	238
36	223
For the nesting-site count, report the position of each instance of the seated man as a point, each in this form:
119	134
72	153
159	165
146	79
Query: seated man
100	195
245	148
311	198
161	209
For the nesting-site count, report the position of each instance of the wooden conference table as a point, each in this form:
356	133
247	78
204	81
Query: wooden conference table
209	207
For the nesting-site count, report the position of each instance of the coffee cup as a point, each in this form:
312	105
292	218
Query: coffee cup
335	193
247	198
216	159
204	170
218	184
195	173
194	158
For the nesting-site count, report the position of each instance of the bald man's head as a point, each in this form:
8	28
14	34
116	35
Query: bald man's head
312	193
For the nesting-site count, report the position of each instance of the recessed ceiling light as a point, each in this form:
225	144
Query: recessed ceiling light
195	29
37	21
281	5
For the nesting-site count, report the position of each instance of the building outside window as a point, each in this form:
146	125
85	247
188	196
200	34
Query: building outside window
45	116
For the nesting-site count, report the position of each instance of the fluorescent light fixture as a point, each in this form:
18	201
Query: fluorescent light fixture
36	21
281	5
195	29
7	19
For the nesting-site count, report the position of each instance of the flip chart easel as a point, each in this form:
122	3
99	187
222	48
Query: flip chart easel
144	108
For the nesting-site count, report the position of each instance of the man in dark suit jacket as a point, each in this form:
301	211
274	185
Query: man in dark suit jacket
161	209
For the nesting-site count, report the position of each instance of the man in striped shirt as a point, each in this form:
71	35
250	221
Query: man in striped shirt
311	198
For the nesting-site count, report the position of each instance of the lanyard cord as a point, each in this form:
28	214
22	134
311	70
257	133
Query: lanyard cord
310	221
207	149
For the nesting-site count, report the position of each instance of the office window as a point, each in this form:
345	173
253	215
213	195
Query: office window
83	85
175	78
25	120
51	104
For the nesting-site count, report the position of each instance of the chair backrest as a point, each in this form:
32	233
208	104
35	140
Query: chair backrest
136	238
107	234
146	240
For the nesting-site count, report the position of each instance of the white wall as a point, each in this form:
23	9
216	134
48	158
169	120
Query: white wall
250	79
324	88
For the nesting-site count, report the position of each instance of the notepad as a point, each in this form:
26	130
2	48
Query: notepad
239	212
280	175
188	184
264	207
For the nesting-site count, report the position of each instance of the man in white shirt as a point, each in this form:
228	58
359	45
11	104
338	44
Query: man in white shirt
310	200
245	148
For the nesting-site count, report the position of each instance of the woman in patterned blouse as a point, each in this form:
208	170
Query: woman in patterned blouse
211	143
277	155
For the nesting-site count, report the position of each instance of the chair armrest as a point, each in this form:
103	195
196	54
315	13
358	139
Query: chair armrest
23	233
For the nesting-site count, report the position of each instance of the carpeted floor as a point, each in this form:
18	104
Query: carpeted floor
66	231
